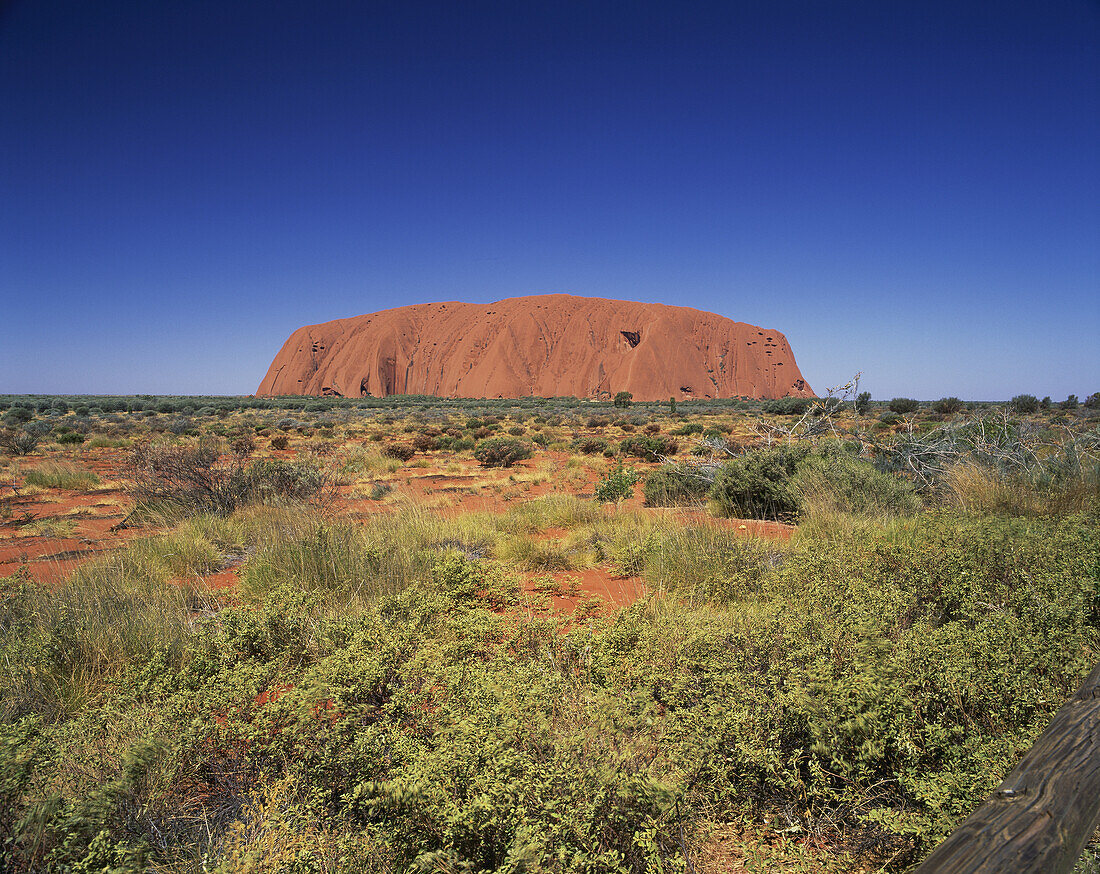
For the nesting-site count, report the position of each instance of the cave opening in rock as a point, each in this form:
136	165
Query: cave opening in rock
632	337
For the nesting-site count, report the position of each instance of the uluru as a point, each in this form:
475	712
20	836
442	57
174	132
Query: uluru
551	345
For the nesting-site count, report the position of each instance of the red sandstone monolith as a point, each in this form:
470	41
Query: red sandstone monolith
544	346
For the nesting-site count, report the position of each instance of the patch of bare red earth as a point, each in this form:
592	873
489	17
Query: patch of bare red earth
95	515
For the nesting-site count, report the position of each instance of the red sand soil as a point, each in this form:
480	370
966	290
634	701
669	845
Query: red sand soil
543	346
93	516
451	486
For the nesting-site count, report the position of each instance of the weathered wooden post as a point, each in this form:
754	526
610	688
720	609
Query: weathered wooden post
1043	813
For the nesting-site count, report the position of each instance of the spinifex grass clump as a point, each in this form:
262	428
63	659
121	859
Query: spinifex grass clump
57	475
194	478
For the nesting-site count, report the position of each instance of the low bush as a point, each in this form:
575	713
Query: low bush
903	406
19	441
675	484
192	478
367	710
648	448
947	406
424	442
617	484
280	442
398	451
842	484
1024	404
759	484
71	438
786	406
590	445
501	452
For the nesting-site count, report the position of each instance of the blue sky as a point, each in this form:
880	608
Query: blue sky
911	190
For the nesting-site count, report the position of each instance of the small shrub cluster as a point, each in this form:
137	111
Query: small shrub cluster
193	478
501	452
20	441
398	451
675	484
648	448
617	484
590	445
903	406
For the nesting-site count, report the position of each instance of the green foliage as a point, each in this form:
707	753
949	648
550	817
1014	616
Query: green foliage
623	399
55	475
903	406
839	483
617	484
501	451
192	478
786	406
648	448
863	402
947	406
879	684
590	445
759	484
1024	404
671	485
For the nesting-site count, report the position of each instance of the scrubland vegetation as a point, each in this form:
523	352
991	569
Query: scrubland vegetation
397	690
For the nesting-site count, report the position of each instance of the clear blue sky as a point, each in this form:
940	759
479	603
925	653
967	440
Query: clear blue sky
907	189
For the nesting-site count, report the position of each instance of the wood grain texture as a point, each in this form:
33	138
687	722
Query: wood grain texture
1043	813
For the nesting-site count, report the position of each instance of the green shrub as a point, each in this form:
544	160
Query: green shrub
947	406
844	484
674	484
786	406
1024	404
71	438
759	484
903	406
501	452
192	478
648	448
590	445
424	443
617	484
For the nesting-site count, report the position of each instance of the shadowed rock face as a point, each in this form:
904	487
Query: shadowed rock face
544	346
